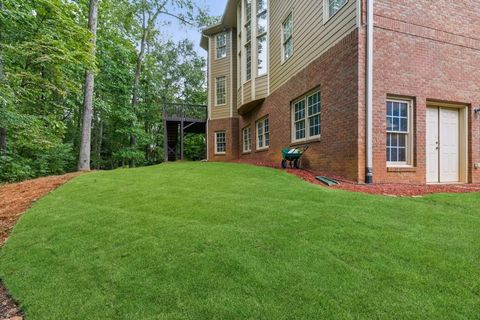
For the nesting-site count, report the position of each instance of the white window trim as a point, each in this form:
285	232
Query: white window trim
307	116
283	41
259	36
264	147
217	47
409	140
216	147
326	10
247	147
216	91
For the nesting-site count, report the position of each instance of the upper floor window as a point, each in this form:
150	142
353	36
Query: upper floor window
287	38
220	91
398	132
221	41
333	6
306	114
263	134
248	39
262	27
248	65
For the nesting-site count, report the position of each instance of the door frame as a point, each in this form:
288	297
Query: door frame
463	136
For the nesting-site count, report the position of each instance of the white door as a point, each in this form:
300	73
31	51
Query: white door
443	145
449	145
433	168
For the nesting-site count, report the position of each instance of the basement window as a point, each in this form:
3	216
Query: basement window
399	123
263	134
247	139
306	116
220	142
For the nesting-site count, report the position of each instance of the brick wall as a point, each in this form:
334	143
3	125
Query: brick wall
427	51
335	73
230	126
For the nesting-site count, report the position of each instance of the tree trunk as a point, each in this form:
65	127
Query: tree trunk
3	131
85	145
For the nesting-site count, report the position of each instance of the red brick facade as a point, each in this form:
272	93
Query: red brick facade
422	52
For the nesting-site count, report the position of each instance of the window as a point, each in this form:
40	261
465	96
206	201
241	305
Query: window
398	132
263	134
248	39
333	6
220	142
306	117
262	27
287	38
221	45
248	53
220	91
247	139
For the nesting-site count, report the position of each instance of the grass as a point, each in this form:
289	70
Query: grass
231	241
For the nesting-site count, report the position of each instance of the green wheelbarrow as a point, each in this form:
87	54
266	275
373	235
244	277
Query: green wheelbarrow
291	156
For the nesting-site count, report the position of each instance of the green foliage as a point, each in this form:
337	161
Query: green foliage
45	49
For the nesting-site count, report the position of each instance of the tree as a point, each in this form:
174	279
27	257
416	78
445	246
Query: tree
85	145
3	129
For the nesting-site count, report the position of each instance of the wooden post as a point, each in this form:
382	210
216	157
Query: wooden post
181	139
165	136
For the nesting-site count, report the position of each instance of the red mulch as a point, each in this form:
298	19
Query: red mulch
15	199
391	189
8	308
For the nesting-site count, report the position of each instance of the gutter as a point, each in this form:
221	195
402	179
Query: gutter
369	95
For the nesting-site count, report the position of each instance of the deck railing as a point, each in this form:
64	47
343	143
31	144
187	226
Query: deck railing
185	111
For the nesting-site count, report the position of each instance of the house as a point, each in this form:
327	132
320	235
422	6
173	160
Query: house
382	91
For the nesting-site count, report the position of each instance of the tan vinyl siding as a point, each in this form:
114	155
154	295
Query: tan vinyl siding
261	87
220	68
311	38
247	92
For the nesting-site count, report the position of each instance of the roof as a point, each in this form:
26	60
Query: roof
229	20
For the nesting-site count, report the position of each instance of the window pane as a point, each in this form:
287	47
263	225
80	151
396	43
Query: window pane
261	5
314	104
299	110
404	110
335	5
287	49
248	10
248	31
314	126
402	155
300	130
262	56
262	23
248	72
404	124
389	108
389	124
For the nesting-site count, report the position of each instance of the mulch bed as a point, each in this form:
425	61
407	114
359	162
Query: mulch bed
391	189
15	199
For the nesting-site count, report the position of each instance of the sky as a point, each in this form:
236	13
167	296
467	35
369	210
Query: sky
178	32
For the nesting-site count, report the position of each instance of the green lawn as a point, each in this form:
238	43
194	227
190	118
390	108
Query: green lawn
231	241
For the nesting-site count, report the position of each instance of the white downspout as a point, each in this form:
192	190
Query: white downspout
369	94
